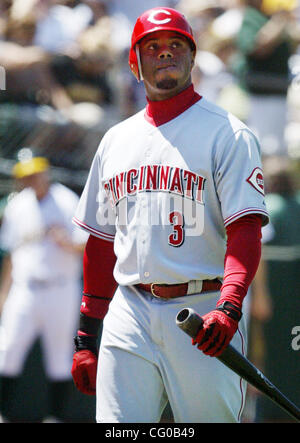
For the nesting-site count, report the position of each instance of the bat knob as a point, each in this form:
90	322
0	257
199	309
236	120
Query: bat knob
189	321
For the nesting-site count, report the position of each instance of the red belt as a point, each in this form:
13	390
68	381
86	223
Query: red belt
179	290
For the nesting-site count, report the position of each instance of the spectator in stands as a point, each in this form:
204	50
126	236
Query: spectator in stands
37	107
61	23
266	41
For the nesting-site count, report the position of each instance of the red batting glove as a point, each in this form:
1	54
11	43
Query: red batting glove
84	371
219	326
84	368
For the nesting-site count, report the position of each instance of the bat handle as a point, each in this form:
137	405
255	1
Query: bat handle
189	321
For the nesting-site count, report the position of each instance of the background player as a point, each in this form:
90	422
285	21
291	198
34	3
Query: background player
180	156
42	276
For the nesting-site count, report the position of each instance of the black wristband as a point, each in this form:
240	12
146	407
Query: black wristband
231	310
89	325
83	342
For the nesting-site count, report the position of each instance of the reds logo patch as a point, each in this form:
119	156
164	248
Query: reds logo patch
256	179
156	21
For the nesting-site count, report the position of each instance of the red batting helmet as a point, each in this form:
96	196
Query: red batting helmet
157	19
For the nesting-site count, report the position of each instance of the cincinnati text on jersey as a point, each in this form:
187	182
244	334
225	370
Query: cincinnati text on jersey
155	178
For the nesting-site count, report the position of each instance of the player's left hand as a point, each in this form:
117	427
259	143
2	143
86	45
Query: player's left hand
85	360
219	327
84	371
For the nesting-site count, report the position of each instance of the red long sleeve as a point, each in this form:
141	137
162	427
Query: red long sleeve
99	284
241	259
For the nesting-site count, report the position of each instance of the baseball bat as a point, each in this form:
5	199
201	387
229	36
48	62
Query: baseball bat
191	322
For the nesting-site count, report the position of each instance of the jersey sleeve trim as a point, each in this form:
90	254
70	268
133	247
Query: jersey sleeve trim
95	232
243	212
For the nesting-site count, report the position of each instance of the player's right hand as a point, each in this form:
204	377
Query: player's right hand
219	326
84	371
84	368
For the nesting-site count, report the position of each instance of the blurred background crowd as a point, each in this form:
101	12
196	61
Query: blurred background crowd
64	80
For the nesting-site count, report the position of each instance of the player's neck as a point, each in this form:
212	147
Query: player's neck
160	112
42	192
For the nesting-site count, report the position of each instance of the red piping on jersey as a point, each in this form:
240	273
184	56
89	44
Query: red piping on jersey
93	231
160	112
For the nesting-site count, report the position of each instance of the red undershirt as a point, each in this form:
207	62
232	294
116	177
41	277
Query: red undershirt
243	238
160	112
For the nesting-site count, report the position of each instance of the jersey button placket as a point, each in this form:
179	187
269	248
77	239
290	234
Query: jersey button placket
148	149
142	236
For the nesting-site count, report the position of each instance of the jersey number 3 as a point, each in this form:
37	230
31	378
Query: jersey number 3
176	219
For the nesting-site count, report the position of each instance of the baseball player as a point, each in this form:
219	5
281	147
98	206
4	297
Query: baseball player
45	253
174	205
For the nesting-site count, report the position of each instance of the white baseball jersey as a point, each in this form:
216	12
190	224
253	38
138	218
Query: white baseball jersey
25	233
45	281
165	194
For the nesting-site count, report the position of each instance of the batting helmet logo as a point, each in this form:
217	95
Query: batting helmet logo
153	20
156	21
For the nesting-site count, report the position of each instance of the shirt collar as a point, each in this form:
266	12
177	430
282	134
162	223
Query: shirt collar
160	112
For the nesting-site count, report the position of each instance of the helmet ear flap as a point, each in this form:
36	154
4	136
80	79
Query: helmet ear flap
137	53
134	65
